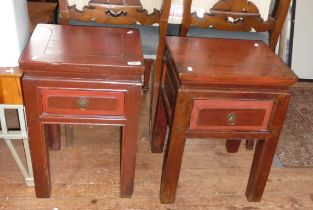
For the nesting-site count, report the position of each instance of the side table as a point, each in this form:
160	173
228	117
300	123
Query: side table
82	75
235	89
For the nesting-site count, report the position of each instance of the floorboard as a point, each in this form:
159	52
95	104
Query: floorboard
86	176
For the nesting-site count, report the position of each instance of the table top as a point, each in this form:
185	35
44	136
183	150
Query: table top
81	48
226	61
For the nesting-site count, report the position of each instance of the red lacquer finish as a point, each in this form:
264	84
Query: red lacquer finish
82	75
83	102
220	88
217	114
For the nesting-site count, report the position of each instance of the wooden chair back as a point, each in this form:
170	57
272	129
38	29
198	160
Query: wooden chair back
121	12
125	12
238	15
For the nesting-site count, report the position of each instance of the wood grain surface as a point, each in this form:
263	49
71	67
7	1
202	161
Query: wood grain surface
89	179
40	12
10	85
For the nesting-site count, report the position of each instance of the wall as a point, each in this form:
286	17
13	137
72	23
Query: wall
14	31
302	56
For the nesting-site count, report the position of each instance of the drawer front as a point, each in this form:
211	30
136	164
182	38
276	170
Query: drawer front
212	114
83	102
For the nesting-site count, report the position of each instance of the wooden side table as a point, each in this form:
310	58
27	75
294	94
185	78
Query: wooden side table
82	75
220	88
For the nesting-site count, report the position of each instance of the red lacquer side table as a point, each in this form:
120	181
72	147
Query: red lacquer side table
233	89
82	75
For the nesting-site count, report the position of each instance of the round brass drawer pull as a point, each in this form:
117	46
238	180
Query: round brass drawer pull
231	119
82	103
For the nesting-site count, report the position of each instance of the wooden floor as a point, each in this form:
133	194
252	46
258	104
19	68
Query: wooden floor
86	176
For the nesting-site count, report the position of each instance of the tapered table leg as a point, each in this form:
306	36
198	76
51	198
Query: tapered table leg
40	160
175	149
264	153
129	143
260	169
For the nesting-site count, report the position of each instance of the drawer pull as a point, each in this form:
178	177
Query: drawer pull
82	103
231	119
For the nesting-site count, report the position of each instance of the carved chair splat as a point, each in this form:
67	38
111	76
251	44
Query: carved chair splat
238	15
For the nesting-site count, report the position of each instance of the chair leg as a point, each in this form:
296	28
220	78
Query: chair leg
52	134
148	65
232	145
159	129
173	154
69	134
249	144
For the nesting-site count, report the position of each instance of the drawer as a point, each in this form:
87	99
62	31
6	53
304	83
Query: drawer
83	102
214	114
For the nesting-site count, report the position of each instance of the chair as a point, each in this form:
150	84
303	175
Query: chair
235	19
126	13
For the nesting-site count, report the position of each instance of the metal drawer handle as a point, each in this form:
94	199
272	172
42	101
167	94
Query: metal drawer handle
231	119
82	103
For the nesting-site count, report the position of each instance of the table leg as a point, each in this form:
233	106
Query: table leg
37	142
264	153
159	129
40	160
128	160
260	169
174	152
171	167
129	142
232	145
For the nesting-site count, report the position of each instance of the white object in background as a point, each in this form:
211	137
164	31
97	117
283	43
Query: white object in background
302	62
14	31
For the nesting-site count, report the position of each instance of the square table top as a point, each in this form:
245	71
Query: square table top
227	61
81	48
